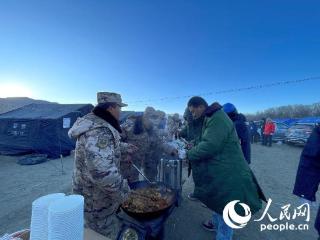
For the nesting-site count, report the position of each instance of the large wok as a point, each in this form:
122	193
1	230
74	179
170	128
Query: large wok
165	192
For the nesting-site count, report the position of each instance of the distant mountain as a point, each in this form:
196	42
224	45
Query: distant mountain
11	103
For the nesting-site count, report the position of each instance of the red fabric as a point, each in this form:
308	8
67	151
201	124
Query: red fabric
269	128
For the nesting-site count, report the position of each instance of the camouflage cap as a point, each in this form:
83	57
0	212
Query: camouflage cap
161	113
109	97
149	110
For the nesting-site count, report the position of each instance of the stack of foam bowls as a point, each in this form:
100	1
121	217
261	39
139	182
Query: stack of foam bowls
5	237
39	218
66	218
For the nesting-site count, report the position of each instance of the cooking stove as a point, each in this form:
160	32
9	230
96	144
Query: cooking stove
135	229
170	173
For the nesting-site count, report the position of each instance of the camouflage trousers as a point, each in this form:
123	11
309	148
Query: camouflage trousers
109	228
99	211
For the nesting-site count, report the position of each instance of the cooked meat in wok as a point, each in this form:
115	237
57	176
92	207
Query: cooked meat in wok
146	200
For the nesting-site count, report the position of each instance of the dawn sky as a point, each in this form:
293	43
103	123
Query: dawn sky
66	51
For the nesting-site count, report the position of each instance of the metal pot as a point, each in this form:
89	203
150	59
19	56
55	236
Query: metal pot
165	191
170	173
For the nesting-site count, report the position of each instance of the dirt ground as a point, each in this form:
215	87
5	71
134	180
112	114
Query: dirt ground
275	169
21	185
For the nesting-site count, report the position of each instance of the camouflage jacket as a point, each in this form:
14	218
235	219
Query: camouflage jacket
173	126
141	141
97	155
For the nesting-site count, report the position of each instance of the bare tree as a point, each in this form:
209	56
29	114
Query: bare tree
290	111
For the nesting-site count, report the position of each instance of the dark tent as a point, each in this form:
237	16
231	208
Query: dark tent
40	128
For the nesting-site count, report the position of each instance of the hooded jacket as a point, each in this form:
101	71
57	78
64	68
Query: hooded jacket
97	170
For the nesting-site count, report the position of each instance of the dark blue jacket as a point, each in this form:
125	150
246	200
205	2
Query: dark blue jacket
242	128
308	174
253	129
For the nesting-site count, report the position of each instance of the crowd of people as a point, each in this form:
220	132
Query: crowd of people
217	151
262	131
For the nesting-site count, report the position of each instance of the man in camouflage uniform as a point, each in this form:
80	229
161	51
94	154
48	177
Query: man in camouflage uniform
97	164
157	138
174	124
134	132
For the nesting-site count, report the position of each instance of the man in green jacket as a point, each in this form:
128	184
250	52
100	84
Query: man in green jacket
192	131
221	174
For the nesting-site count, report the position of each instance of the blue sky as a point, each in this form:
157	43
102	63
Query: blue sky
66	51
